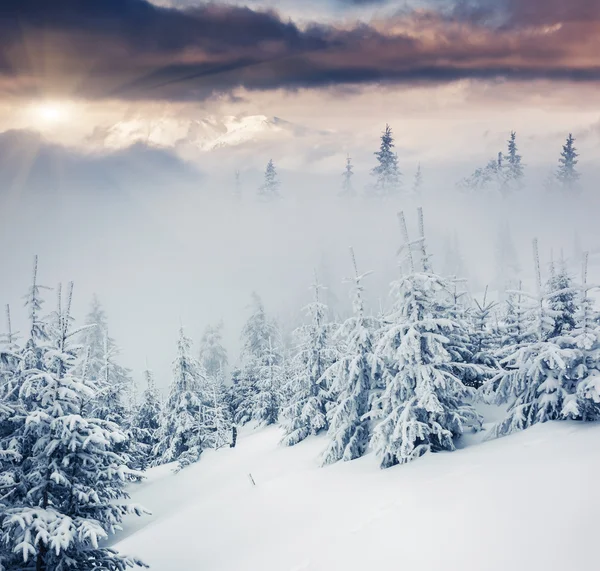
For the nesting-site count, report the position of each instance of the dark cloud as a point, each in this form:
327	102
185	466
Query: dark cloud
132	49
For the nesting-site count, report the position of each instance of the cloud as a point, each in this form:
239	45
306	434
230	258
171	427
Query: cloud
132	49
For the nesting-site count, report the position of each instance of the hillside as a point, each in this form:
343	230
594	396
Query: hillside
522	503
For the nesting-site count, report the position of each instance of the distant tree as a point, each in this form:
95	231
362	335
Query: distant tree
213	356
270	187
506	261
567	173
514	166
387	174
417	188
146	420
347	187
454	265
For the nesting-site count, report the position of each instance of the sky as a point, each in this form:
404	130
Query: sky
123	121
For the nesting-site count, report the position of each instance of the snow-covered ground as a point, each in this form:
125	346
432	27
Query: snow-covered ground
526	502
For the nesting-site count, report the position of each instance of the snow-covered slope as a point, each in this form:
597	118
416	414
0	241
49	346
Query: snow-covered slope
527	502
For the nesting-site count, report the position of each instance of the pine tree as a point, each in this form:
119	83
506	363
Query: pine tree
145	422
514	166
424	406
347	187
181	434
386	173
217	418
305	412
213	356
270	376
485	338
567	173
355	383
70	490
561	297
270	187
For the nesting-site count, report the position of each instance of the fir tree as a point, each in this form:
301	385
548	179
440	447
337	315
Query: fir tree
386	173
181	434
561	296
567	173
305	412
347	187
270	187
217	417
355	382
270	375
70	490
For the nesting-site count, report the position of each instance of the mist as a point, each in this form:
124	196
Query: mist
163	243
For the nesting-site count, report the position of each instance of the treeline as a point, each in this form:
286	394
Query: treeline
504	174
402	382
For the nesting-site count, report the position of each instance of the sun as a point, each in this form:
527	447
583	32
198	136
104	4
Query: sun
51	111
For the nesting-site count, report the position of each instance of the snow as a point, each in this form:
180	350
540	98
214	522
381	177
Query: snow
525	502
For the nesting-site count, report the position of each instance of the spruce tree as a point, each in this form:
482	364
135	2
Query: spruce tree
355	382
181	434
269	190
417	188
217	418
562	302
567	173
387	174
305	411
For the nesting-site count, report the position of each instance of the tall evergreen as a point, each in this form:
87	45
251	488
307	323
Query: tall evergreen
213	356
145	422
417	188
355	383
181	434
567	174
305	411
562	300
387	174
269	190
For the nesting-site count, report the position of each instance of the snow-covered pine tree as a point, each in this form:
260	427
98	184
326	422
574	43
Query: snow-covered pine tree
347	186
305	411
567	174
585	404
256	394
485	337
537	377
70	493
562	299
217	417
513	165
424	406
213	356
269	189
387	174
181	436
146	421
356	380
241	394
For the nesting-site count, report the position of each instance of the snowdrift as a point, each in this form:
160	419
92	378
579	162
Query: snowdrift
526	502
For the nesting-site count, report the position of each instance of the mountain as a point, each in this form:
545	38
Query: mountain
205	134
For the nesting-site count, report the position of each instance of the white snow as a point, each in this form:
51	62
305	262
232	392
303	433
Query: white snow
526	502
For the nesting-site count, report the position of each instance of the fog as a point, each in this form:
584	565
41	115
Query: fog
165	243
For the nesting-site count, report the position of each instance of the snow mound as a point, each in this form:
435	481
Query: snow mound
525	502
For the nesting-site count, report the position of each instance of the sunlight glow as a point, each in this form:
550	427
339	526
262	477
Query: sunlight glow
51	112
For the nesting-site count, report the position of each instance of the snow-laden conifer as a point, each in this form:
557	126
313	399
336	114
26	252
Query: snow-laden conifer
355	382
567	174
145	421
305	411
387	174
269	189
